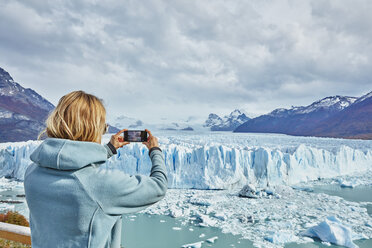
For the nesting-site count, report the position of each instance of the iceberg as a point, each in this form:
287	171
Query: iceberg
333	231
348	183
225	161
194	245
212	240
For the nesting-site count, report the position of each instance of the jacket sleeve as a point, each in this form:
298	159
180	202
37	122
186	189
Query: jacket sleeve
118	193
111	151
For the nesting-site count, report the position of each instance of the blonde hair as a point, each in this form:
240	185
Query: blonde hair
78	116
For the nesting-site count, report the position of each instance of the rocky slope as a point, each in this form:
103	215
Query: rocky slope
22	111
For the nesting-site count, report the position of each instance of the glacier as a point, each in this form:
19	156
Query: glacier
279	169
221	160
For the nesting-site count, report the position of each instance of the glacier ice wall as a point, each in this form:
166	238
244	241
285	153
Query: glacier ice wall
15	157
217	166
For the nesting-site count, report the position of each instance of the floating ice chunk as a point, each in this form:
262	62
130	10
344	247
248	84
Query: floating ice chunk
220	216
333	231
359	236
246	219
281	237
205	220
212	240
177	228
249	191
348	184
269	191
200	201
175	212
194	245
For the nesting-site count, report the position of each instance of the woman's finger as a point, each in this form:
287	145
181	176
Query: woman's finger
121	131
150	135
148	131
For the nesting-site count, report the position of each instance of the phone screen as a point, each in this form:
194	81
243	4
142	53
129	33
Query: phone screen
135	136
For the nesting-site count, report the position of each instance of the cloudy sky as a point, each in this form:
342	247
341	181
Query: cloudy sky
157	60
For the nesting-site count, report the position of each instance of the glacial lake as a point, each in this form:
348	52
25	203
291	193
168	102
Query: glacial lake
158	231
357	194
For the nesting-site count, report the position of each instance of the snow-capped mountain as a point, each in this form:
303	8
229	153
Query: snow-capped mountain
213	120
330	104
22	111
365	97
314	119
21	100
226	123
354	121
192	123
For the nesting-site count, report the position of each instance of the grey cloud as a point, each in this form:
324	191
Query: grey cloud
151	59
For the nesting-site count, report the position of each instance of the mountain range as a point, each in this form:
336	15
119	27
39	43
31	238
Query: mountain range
22	111
335	116
213	123
226	123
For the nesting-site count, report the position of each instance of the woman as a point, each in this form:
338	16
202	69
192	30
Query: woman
72	202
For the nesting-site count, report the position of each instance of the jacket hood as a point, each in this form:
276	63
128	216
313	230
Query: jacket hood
65	154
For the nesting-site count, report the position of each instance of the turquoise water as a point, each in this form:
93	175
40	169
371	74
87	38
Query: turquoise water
357	194
145	231
158	231
14	197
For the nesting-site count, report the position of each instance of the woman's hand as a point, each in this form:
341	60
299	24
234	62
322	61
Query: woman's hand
151	142
117	140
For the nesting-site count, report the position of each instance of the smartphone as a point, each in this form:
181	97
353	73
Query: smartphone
135	136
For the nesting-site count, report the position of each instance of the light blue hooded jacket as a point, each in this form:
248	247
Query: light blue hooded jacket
73	203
